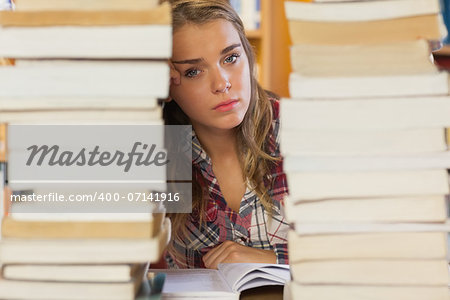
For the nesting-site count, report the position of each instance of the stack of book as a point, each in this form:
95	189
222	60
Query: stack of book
80	62
365	152
78	256
100	62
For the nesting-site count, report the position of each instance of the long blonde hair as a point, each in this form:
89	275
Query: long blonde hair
253	131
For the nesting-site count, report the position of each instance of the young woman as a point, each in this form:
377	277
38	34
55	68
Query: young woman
238	181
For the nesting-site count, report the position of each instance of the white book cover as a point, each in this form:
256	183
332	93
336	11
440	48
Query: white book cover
374	245
309	186
114	273
351	60
361	143
59	103
366	114
50	290
317	163
356	11
90	79
420	209
27	216
76	251
143	41
2	196
332	228
411	272
306	87
89	5
84	117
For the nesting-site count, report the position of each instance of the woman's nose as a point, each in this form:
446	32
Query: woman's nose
220	83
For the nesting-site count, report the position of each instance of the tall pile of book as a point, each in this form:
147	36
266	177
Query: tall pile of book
81	62
365	152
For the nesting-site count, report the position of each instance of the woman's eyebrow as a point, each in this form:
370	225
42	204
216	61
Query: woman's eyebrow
189	61
198	60
229	48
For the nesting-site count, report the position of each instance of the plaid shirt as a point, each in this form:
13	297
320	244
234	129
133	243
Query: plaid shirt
252	226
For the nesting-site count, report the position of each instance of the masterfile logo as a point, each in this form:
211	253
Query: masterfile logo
106	163
54	156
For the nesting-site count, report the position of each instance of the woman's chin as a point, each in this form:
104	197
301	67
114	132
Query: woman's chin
232	123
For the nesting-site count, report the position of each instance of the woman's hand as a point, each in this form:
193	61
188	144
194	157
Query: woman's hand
231	252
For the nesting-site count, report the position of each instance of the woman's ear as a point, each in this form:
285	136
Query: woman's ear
175	76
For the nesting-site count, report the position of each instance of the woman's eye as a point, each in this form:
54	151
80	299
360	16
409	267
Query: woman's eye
192	73
232	58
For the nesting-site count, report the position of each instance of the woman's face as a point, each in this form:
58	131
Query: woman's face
211	76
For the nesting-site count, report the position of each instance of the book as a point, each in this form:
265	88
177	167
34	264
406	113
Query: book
74	290
374	245
2	193
157	16
249	14
96	229
85	79
224	283
360	227
358	115
448	136
399	58
309	163
30	213
15	104
295	290
429	27
372	272
361	143
128	41
81	273
6	61
83	251
435	83
340	201
427	208
84	116
40	5
309	186
360	10
2	142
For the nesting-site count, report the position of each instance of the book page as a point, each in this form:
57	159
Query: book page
258	278
195	283
245	276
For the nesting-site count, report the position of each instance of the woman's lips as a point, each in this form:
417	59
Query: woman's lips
227	105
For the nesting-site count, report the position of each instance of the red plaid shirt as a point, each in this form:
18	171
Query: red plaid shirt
252	226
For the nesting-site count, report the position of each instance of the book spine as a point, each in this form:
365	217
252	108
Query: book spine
2	194
2	142
237	5
2	173
258	14
448	137
249	11
248	14
6	5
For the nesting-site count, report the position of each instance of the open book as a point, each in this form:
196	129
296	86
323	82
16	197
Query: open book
225	283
